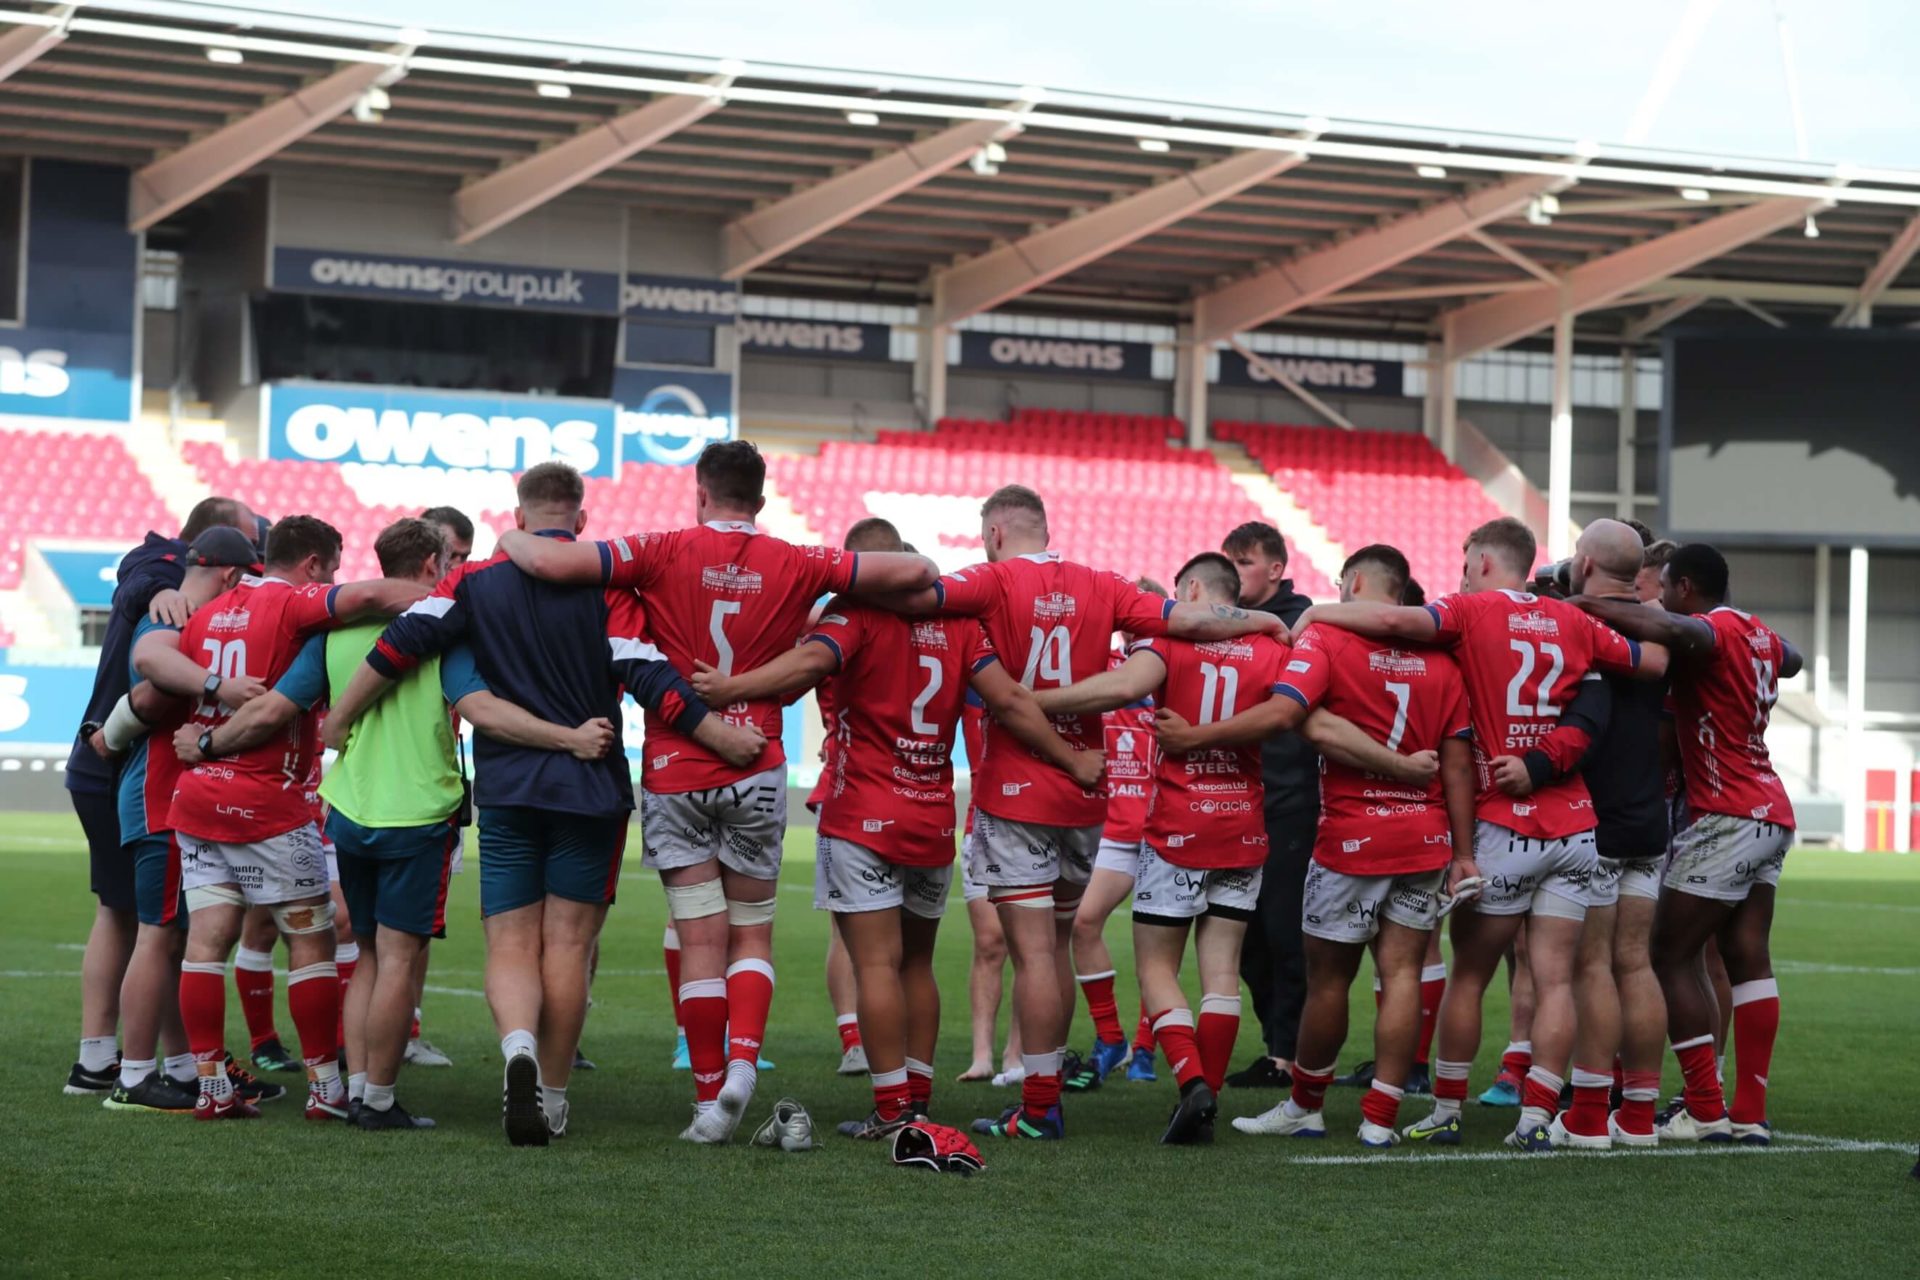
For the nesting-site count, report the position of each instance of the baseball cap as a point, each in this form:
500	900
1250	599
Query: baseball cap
221	547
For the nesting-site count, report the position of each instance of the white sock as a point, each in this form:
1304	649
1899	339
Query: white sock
1445	1109
518	1042
346	952
326	1077
97	1053
179	1067
553	1101
357	1086
1532	1118
743	1069
379	1097
253	961
132	1072
218	1086
1294	1110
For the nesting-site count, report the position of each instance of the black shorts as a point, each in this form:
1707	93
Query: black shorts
109	863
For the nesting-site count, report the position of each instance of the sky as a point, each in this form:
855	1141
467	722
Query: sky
1540	67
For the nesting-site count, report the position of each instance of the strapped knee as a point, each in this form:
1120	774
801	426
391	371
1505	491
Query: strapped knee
1037	898
292	918
748	913
695	901
214	895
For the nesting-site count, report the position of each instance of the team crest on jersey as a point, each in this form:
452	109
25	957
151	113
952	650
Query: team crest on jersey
1225	649
1055	604
1535	622
234	619
929	635
1760	642
1396	662
730	577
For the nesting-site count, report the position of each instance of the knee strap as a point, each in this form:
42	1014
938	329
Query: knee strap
695	901
749	913
214	895
291	918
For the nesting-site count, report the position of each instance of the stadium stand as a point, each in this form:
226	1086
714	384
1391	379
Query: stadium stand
70	484
1120	493
1373	486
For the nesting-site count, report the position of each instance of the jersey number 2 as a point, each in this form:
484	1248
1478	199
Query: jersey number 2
1530	655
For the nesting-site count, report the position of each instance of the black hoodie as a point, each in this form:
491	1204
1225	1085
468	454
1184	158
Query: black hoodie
157	564
1289	766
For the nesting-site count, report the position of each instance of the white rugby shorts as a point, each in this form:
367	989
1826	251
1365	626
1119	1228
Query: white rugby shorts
741	823
1615	878
849	877
1723	857
1118	855
1182	893
284	868
1347	908
1003	853
1530	876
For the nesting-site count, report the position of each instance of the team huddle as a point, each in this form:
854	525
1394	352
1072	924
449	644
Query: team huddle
1579	786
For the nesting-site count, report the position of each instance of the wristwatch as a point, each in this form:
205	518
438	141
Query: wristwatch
88	729
211	687
206	744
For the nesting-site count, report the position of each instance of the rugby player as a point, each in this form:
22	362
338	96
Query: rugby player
987	972
1390	842
552	826
1271	961
1130	765
246	835
148	579
150	992
1523	656
1204	842
1619	999
886	834
727	595
1721	879
1035	830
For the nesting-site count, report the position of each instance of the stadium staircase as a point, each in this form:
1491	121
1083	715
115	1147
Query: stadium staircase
1312	554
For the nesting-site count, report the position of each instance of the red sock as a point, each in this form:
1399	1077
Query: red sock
346	958
1101	1006
1756	1024
1541	1090
1143	1034
1450	1080
1219	1028
1381	1104
1173	1028
1310	1086
671	949
848	1025
703	1012
203	1009
1698	1067
920	1084
1518	1059
313	997
1639	1092
1379	994
413	1033
1040	1091
1592	1090
1433	985
253	979
891	1094
749	995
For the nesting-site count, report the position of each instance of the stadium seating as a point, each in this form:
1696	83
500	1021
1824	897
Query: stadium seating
1373	486
63	484
277	488
646	496
1119	491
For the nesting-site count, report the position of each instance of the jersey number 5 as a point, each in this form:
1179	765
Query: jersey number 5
717	631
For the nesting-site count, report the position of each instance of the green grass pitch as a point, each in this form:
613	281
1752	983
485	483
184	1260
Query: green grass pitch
91	1192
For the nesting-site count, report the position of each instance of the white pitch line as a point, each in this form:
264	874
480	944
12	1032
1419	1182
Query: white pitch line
1809	966
454	991
1785	1144
39	973
1850	906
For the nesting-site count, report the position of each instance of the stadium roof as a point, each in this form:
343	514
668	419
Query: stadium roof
967	195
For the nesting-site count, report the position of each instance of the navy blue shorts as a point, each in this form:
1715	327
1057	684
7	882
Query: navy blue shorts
158	898
528	854
394	877
109	863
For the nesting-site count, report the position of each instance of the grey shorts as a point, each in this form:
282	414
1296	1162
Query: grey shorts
741	824
850	877
1117	855
285	868
1614	878
1005	854
1347	908
1529	876
1182	893
1723	857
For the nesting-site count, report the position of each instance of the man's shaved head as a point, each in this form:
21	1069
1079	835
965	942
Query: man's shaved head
1611	547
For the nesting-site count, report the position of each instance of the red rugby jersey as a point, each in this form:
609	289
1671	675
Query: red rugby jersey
255	630
1052	623
1722	708
1522	655
1408	699
1207	808
727	595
